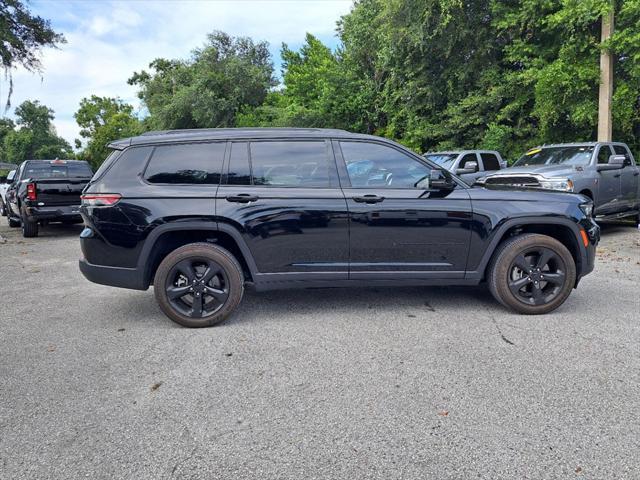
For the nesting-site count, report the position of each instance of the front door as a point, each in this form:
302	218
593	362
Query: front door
399	227
284	198
608	185
629	177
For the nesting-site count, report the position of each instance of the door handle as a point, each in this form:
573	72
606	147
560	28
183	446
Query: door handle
636	174
368	199
242	198
617	175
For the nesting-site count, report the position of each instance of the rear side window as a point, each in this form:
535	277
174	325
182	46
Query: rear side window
290	164
239	170
192	163
125	167
490	161
620	150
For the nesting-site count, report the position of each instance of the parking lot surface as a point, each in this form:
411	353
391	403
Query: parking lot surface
366	383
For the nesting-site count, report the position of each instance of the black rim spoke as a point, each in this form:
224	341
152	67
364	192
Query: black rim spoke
555	278
177	292
522	263
516	285
219	295
545	256
186	268
537	295
196	307
211	271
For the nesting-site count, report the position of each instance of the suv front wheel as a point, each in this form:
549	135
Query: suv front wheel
532	274
199	285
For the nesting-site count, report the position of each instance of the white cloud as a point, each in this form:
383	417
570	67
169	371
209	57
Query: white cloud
108	41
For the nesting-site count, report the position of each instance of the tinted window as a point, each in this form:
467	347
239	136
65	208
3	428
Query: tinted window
289	164
127	166
620	150
239	172
603	154
194	163
60	169
106	164
371	164
469	157
490	161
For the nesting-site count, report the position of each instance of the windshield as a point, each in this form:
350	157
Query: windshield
41	171
556	156
445	160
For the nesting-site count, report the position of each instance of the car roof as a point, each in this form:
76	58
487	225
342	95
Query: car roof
576	144
203	134
458	152
56	160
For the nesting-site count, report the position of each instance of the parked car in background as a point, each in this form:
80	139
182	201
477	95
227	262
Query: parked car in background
46	191
200	214
4	186
605	172
468	164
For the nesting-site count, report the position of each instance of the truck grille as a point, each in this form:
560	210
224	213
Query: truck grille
523	181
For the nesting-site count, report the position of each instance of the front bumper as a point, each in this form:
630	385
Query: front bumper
65	212
588	259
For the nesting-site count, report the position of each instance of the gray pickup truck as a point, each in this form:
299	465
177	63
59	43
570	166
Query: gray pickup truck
605	172
468	164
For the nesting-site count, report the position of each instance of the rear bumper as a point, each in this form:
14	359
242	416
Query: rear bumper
65	212
112	276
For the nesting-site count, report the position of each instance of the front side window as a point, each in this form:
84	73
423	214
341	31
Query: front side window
603	154
290	164
375	165
469	157
191	163
490	161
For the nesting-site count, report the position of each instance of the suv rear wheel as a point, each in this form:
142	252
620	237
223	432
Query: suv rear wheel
532	274
199	285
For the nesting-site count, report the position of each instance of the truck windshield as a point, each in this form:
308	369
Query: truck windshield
445	160
555	156
41	171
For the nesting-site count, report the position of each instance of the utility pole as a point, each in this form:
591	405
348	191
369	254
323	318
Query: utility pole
605	126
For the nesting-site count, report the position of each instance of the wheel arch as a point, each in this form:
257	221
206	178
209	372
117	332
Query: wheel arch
166	238
563	230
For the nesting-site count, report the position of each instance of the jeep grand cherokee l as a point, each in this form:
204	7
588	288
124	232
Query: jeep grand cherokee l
200	214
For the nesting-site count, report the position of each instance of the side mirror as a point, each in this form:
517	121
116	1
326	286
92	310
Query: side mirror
616	162
438	180
469	167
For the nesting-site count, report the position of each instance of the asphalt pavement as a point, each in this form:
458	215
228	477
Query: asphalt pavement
374	383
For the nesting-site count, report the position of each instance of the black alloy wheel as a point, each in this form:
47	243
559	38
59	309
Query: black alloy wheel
537	276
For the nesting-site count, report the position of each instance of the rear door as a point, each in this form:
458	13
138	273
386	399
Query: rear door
628	179
399	228
283	197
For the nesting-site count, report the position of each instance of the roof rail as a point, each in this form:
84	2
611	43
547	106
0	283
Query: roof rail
249	129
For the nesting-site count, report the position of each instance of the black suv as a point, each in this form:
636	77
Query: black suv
201	214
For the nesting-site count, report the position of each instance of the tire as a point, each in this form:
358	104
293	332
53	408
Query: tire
29	228
3	210
13	223
520	273
198	285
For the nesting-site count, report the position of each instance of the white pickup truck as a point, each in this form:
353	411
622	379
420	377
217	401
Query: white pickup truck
4	186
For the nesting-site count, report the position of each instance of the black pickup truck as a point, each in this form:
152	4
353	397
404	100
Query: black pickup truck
46	191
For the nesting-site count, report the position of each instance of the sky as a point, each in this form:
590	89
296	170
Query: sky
107	40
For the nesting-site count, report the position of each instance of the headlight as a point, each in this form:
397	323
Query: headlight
563	184
587	209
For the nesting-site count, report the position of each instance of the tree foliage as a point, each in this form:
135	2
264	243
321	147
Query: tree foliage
34	136
102	120
22	36
225	76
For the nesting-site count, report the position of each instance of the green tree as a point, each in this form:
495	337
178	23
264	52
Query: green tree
227	75
102	120
22	37
36	137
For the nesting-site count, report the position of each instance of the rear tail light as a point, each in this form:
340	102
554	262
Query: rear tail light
31	191
100	199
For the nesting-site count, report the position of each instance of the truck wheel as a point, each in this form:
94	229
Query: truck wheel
198	285
29	228
3	210
531	274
